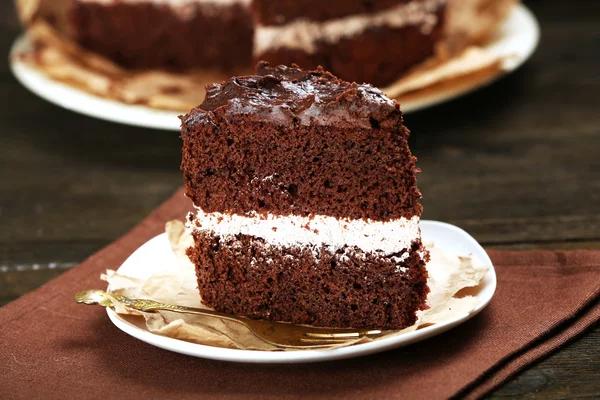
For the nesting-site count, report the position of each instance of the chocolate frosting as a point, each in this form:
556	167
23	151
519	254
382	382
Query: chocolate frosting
285	95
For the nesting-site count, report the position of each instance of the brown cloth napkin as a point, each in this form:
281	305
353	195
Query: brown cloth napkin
51	347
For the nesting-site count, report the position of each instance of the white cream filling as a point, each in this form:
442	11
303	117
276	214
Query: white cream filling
388	237
304	34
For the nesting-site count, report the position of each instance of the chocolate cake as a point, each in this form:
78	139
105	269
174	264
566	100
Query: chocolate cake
306	201
371	41
368	41
170	34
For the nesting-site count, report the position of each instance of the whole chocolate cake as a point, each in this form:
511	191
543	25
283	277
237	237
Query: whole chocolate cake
372	41
306	201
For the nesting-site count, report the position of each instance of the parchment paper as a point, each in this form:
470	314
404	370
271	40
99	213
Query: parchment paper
176	284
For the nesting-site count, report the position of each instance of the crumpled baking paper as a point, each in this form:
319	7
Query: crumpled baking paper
176	284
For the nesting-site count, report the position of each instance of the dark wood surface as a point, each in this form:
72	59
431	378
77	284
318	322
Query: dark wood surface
516	164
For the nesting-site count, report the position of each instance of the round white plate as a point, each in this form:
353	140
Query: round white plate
519	35
156	253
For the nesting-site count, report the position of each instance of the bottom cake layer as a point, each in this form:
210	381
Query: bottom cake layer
243	275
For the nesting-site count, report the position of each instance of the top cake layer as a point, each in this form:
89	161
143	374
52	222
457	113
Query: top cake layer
287	95
288	141
280	12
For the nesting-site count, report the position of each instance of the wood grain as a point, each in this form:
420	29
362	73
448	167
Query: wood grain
516	164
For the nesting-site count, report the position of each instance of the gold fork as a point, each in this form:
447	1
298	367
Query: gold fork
279	334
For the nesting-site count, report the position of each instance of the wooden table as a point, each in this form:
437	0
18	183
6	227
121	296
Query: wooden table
516	164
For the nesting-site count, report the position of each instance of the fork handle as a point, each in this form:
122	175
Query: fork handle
146	305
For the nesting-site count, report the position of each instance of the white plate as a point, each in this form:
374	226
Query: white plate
519	35
156	253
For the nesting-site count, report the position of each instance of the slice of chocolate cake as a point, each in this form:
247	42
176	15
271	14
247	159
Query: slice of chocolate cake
371	41
306	201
